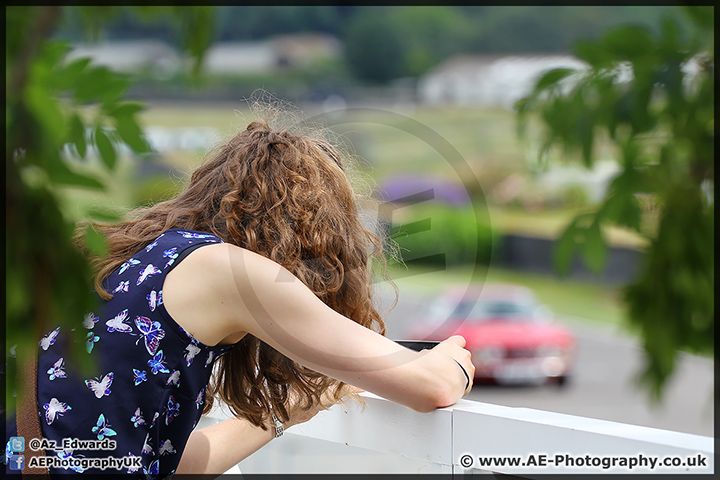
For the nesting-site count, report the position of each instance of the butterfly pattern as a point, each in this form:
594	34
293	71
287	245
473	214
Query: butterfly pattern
140	376
147	407
174	378
153	470
154	299
190	351
90	320
158	364
68	454
100	388
149	270
195	235
122	287
102	428
54	409
155	417
173	410
137	418
166	447
209	360
147	448
171	254
90	342
56	371
151	331
132	468
117	323
48	340
130	263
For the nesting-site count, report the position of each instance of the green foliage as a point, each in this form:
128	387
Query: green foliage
651	95
374	46
430	34
48	141
444	235
388	42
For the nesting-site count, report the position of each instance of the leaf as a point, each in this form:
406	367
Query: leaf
629	42
703	16
594	248
100	83
61	174
128	128
126	109
132	135
198	28
565	247
77	135
46	113
105	147
592	53
552	77
95	241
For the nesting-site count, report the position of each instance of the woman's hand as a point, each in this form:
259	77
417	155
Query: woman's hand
455	347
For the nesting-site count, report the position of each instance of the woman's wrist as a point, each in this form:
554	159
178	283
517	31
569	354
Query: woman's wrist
467	377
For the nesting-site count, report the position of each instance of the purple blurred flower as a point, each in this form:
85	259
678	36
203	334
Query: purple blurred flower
413	188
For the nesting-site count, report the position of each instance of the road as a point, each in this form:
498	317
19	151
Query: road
604	383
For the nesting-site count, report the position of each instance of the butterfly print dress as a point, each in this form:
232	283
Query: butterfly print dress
149	393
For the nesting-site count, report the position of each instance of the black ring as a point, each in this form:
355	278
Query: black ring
466	375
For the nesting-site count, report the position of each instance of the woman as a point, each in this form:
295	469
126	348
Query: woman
260	264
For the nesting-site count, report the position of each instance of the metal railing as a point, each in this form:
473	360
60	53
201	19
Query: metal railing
474	437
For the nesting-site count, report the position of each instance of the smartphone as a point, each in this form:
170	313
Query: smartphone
417	345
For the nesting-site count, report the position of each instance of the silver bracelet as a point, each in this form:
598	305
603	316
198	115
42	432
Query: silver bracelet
279	427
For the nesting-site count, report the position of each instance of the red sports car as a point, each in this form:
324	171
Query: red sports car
511	336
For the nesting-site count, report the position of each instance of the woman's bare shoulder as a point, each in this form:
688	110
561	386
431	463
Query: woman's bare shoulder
220	283
203	293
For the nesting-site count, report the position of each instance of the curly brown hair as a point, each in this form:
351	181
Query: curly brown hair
284	196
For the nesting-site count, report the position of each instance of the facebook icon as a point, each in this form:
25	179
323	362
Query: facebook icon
17	462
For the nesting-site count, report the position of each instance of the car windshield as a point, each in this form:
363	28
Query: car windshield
483	310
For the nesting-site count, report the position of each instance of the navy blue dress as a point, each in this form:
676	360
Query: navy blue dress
150	392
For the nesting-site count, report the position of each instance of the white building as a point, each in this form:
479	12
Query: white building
492	80
131	56
239	57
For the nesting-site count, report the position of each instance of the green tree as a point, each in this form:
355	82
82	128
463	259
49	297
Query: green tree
49	138
652	96
430	35
374	47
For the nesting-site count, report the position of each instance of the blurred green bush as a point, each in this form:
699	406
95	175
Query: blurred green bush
444	235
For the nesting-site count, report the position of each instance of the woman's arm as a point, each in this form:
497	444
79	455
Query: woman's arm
250	293
216	449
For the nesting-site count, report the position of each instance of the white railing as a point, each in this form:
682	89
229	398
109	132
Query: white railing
441	439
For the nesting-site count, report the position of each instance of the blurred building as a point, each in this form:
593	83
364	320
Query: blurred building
279	52
131	56
489	80
227	58
301	50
